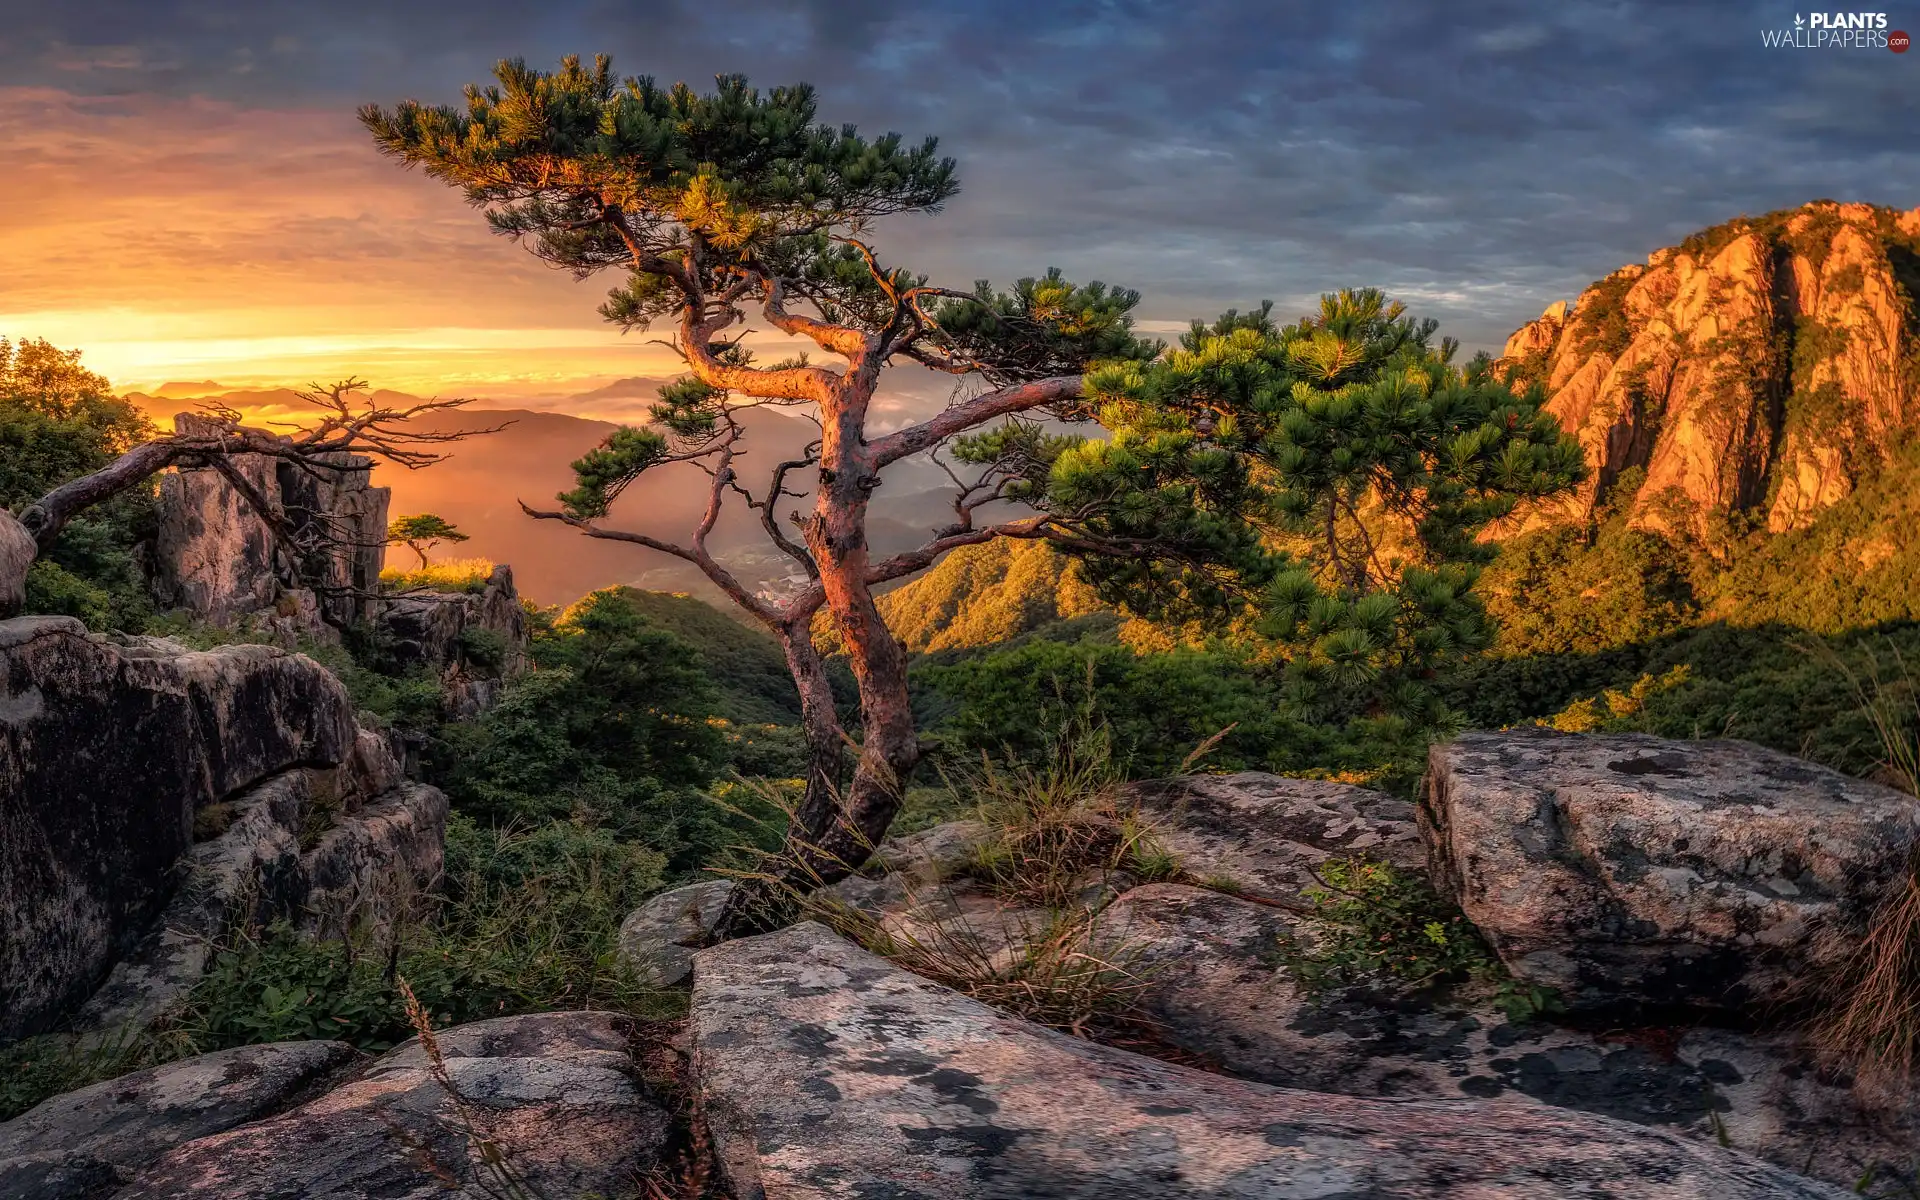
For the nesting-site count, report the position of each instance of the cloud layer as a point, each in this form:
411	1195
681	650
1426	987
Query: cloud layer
193	167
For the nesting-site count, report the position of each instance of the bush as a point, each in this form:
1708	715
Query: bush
529	923
1372	922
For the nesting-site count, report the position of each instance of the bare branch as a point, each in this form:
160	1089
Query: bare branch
971	414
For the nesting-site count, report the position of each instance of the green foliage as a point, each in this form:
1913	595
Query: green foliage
982	595
1043	327
1599	322
59	421
484	648
1157	707
741	170
743	662
1330	476
602	473
1371	922
529	922
1554	591
617	729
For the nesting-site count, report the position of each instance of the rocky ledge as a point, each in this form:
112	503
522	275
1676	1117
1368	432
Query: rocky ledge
1214	954
825	1071
152	795
548	1105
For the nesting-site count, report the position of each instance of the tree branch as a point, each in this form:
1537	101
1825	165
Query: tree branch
970	414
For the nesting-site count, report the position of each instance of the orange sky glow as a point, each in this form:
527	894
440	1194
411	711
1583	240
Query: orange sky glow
175	239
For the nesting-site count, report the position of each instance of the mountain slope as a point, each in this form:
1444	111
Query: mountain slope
988	593
1749	376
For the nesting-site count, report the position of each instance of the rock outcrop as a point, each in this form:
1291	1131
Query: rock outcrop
217	560
1266	833
107	752
544	1105
1759	367
150	796
825	1071
472	640
89	1142
1631	871
1216	987
658	939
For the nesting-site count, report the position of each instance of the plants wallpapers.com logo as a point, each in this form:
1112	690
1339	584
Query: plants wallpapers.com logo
1838	31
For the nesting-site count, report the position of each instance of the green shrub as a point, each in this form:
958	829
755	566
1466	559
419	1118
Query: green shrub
1370	922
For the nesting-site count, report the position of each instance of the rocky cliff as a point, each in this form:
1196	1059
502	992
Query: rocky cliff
216	559
151	795
1749	375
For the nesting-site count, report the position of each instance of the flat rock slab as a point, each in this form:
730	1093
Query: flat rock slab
553	1097
1630	871
1268	834
825	1071
76	1144
1215	988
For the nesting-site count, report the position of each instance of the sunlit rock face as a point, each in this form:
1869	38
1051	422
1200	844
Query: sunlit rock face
472	640
217	560
1757	368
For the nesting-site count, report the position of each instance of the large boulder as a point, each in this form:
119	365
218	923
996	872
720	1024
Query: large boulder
546	1105
87	1142
657	939
1632	871
1216	987
107	753
825	1071
367	869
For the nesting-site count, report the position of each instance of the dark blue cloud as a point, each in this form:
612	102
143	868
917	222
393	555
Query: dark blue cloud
1482	159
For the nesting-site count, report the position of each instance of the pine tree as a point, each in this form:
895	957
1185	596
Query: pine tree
1344	470
421	532
733	201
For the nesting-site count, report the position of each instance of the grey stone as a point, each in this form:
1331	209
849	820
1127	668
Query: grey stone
372	868
216	560
17	552
655	938
368	870
88	1141
106	754
1631	871
1267	834
1215	987
825	1071
553	1098
426	629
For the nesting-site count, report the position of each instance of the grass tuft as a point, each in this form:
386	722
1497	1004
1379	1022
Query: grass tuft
452	575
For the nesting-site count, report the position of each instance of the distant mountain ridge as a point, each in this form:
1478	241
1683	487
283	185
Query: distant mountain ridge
1755	371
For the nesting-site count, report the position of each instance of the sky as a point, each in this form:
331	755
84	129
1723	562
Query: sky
188	196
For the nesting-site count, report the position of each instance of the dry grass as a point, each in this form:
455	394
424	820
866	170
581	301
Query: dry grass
1055	824
449	575
1065	974
1869	1006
